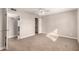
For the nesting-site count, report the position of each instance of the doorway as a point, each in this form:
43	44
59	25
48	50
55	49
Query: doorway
12	27
36	25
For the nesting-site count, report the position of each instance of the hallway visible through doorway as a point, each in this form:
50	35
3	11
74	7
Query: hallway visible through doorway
36	25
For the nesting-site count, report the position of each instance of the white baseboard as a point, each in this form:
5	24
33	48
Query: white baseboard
11	37
64	36
21	37
67	36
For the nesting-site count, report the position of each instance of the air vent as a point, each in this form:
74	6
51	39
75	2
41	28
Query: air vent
13	9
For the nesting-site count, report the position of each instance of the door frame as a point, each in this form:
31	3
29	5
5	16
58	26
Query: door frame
39	25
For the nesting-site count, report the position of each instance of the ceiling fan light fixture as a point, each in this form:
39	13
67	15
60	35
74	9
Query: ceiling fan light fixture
42	11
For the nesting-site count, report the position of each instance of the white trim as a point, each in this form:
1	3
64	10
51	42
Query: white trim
64	36
21	37
68	36
11	36
39	25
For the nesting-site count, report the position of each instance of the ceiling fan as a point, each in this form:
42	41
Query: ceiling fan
42	11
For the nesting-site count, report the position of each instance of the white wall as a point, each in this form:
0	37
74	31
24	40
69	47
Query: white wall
27	23
65	22
1	39
3	19
78	24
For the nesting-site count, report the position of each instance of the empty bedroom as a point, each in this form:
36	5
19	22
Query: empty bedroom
42	29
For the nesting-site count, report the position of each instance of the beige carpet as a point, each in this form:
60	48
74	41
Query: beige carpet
42	43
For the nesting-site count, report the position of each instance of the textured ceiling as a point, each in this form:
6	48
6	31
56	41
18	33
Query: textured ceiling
47	10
